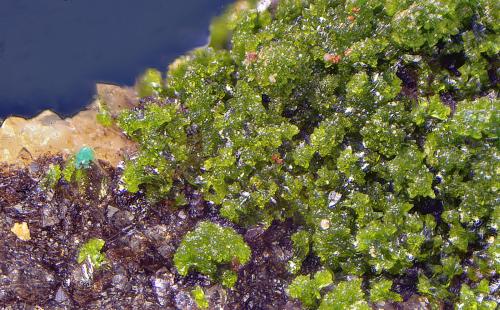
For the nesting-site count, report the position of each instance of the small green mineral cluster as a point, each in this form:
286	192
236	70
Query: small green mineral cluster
84	158
91	251
74	169
52	177
372	123
199	297
308	290
103	116
209	247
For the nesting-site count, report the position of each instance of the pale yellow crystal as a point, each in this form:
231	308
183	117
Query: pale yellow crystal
22	231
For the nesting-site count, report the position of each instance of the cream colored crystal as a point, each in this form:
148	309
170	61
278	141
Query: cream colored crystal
22	231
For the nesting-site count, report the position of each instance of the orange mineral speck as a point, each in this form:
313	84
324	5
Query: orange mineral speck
251	57
334	59
276	158
235	264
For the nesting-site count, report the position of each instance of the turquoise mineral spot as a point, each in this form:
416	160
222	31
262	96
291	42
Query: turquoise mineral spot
84	157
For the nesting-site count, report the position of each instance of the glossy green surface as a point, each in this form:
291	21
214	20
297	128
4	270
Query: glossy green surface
345	116
307	289
207	248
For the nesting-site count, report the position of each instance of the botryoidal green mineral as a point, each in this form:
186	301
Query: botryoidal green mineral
372	123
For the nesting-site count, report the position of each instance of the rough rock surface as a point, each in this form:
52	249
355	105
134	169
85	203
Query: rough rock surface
141	240
23	140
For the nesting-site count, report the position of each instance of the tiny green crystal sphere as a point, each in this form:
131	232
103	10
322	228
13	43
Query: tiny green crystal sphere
84	157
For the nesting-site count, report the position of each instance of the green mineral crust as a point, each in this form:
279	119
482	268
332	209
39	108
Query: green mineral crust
373	124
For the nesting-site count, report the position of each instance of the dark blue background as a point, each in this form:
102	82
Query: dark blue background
52	52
